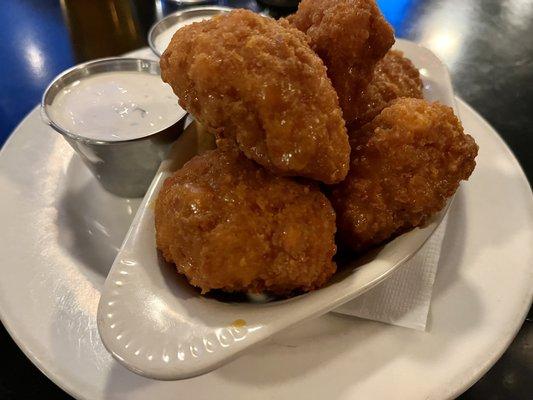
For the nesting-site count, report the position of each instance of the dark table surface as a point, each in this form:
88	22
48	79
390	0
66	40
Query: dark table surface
487	45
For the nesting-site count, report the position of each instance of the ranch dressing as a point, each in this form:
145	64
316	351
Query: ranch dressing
114	106
162	41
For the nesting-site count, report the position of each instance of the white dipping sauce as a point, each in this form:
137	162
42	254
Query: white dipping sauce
162	41
116	106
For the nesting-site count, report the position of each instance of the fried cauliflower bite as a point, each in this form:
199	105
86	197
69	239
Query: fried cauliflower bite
228	224
258	82
350	36
395	76
405	164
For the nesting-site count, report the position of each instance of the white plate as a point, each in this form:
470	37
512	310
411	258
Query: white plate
155	324
60	232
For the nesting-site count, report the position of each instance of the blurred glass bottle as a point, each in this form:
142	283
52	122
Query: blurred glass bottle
103	28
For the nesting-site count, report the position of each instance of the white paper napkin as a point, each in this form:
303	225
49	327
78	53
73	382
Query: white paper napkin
403	299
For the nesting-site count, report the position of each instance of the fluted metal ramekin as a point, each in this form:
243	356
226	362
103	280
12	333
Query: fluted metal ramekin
123	167
180	16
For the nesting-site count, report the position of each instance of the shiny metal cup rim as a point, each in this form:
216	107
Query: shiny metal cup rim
98	66
179	16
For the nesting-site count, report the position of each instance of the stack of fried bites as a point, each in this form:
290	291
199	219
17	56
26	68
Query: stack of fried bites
321	131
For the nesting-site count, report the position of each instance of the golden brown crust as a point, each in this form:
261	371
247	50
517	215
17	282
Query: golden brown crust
405	164
350	36
259	83
395	76
229	224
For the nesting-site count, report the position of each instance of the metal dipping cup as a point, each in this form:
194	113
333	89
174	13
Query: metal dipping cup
181	16
123	167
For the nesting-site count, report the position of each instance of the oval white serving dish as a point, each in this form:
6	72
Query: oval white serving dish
153	322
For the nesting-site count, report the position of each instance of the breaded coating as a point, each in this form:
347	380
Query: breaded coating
259	83
350	36
405	164
395	76
229	224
